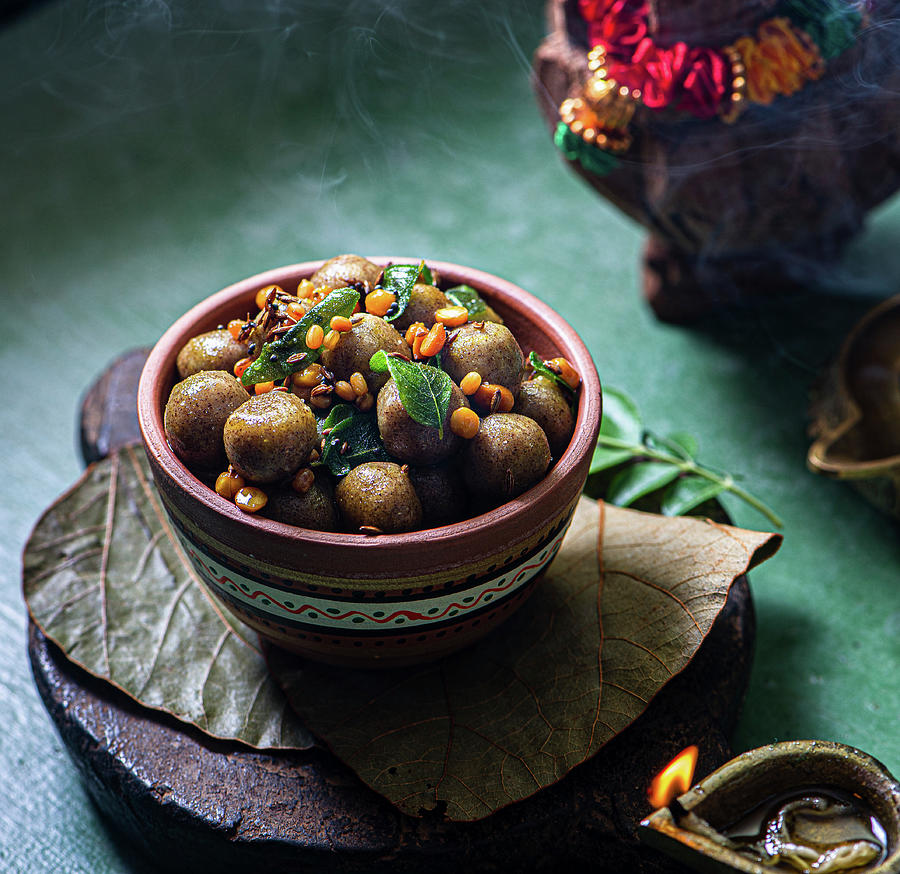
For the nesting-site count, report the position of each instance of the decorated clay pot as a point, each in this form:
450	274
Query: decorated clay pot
361	600
750	137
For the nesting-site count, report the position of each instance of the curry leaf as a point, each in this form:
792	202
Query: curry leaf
272	362
337	414
466	296
106	578
399	280
605	458
352	439
538	366
424	391
637	480
478	308
575	665
630	463
621	418
683	444
687	493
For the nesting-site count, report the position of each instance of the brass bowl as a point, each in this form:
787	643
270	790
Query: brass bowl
856	418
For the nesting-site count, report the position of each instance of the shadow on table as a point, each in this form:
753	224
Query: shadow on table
779	681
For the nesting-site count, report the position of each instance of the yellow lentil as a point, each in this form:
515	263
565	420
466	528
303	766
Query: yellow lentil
452	316
314	337
262	296
378	302
241	365
470	383
413	331
308	377
296	310
340	323
251	499
484	397
358	383
464	422
433	341
344	390
228	484
565	370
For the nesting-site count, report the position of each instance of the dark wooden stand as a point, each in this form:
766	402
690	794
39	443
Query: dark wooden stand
192	802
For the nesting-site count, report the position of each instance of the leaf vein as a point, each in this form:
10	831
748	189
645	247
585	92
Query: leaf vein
179	552
661	589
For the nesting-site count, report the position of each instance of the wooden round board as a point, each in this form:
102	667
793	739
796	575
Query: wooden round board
194	801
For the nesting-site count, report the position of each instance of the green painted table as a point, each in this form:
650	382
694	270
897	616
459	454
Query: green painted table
152	153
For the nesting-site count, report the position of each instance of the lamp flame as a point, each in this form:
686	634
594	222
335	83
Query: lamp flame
675	779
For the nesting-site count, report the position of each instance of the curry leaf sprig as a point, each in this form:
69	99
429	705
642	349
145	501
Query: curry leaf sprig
635	464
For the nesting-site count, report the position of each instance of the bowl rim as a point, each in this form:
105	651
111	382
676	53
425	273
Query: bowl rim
162	357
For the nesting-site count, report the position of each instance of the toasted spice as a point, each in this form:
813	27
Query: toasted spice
265	295
303	480
370	529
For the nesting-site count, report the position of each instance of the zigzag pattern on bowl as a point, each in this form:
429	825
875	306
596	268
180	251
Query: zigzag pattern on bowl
332	614
320	583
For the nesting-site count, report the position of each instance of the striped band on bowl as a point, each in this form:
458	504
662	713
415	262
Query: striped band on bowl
322	612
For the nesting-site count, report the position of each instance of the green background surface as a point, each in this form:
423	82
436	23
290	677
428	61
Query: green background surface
153	153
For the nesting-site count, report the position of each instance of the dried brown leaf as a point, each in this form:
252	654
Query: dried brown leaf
105	578
578	663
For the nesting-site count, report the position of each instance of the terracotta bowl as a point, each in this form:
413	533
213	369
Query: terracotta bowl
359	600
